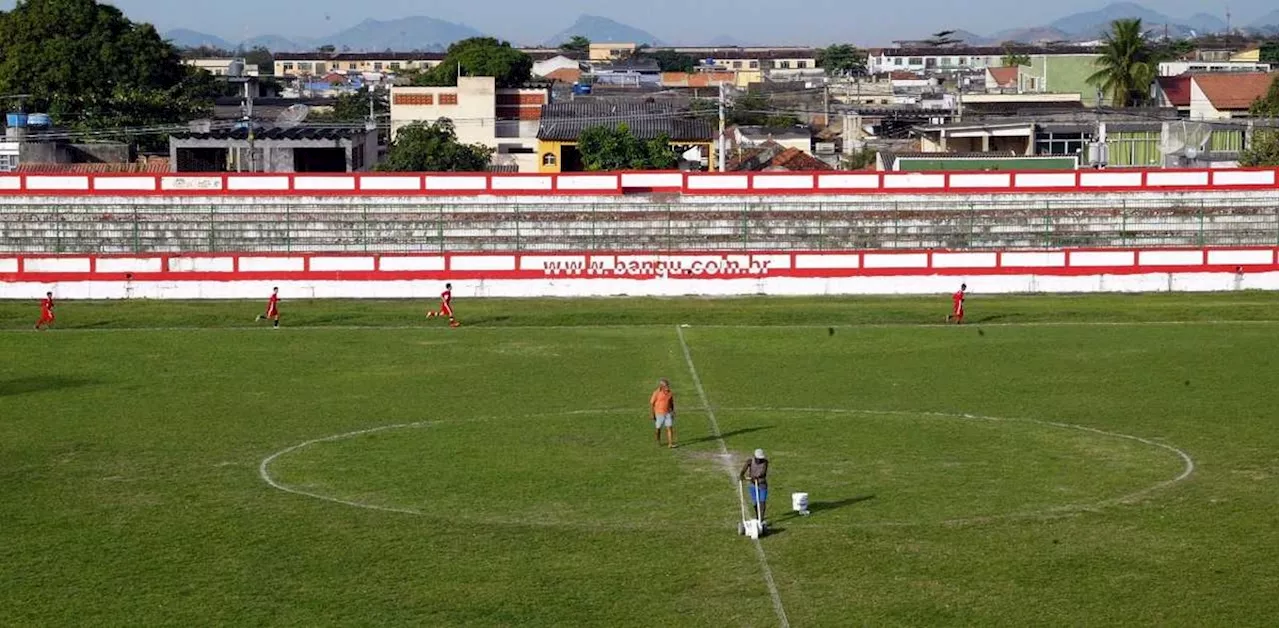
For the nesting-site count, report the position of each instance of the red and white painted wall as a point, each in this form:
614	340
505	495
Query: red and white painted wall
335	275
610	183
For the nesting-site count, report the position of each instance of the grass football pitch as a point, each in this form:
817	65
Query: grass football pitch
1092	460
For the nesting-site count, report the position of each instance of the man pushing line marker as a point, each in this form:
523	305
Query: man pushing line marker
756	470
662	405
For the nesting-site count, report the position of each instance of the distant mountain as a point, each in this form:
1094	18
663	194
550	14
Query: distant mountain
1030	35
276	43
187	38
603	29
972	39
404	34
726	41
1091	24
1205	23
1269	22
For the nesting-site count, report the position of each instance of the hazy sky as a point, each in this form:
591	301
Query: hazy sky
532	21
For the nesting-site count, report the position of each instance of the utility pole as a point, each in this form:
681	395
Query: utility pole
826	105
720	140
248	116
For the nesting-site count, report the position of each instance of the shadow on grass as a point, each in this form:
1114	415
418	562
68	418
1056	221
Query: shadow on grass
24	385
486	320
988	319
817	507
727	435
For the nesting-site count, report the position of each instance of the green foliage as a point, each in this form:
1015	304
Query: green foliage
577	43
616	148
842	59
434	148
354	107
1265	107
860	159
1127	65
1267	52
89	67
942	38
260	57
480	56
672	61
753	109
1012	59
1262	150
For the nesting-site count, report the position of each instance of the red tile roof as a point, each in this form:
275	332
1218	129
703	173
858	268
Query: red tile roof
1004	77
1233	91
796	160
564	75
1177	89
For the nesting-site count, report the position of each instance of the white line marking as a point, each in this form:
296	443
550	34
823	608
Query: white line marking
724	455
482	327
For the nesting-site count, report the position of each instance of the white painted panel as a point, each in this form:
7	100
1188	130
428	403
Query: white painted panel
587	182
257	183
827	261
717	182
129	265
482	262
604	261
271	264
46	182
848	181
1044	180
1036	258
964	260
540	262
201	264
1170	258
1244	177
775	261
536	182
1101	179
324	183
782	181
342	263
178	183
56	265
136	184
914	180
895	260
411	262
10	182
1158	179
470	183
652	180
1235	257
995	180
1102	258
390	183
8	265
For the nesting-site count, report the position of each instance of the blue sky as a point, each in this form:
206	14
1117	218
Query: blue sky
756	21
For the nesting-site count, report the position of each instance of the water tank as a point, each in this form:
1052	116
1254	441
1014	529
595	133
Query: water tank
15	120
39	120
581	89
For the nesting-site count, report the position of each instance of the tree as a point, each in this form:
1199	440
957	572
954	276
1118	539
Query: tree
261	58
616	148
354	107
434	147
1268	52
480	56
1013	59
755	110
1262	149
842	59
1127	65
578	44
88	66
942	38
671	61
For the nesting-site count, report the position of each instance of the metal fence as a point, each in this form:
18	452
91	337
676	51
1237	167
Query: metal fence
631	223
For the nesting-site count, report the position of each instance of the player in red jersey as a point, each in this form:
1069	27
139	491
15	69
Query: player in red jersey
957	306
273	309
46	312
446	306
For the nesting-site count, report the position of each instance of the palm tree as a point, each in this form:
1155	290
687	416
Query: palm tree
1127	65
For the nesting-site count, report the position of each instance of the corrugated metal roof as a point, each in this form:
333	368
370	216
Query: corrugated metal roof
277	133
152	166
564	121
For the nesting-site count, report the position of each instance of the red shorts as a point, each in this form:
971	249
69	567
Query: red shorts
958	311
272	312
446	309
46	317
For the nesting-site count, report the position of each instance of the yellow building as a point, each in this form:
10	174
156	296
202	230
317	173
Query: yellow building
1248	56
293	64
563	122
610	51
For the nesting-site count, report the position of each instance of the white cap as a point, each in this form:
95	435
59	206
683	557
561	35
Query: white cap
759	454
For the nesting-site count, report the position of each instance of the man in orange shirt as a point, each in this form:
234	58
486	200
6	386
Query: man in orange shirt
662	403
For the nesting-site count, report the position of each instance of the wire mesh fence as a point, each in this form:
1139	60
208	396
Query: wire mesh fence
430	225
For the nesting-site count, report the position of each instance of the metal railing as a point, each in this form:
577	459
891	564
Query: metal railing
416	225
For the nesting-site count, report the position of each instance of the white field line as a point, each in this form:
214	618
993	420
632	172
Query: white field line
724	456
428	327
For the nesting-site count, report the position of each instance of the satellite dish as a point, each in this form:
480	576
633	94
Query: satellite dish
293	116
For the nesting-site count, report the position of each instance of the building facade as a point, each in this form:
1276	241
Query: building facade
297	64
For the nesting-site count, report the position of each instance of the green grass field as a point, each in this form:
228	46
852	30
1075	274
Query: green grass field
1092	460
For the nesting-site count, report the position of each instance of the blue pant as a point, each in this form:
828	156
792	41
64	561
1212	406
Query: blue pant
758	495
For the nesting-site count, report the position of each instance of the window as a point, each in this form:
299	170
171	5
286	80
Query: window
377	66
288	67
320	68
8	163
802	64
304	67
549	159
897	61
395	65
915	61
786	65
754	65
737	65
1057	143
351	66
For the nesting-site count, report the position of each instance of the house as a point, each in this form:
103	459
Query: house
301	64
223	66
1052	69
274	149
545	67
1219	96
564	75
1003	79
602	51
634	71
1175	92
770	156
1174	68
561	123
754	64
797	137
697	79
504	119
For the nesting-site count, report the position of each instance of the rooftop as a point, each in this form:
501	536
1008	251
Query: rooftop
359	56
1004	76
565	121
275	133
1177	89
1233	91
980	51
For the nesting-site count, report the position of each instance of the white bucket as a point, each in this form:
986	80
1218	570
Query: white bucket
753	528
800	503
